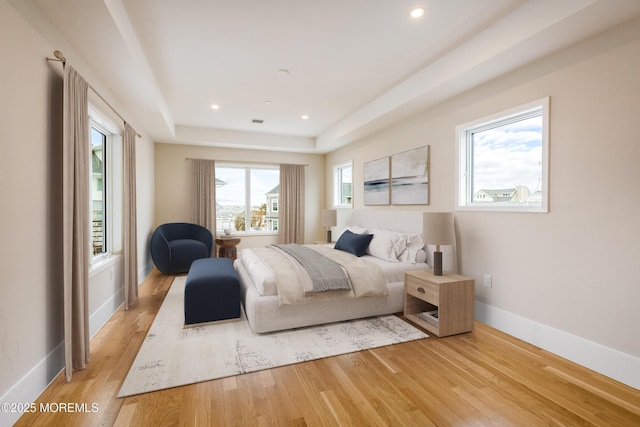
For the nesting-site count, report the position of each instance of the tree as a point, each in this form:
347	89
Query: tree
257	219
239	222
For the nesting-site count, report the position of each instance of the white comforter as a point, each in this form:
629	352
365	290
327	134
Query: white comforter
274	273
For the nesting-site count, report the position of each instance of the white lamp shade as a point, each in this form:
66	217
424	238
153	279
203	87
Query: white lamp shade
329	217
438	228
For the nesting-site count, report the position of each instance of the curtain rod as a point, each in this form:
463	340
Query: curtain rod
246	163
59	57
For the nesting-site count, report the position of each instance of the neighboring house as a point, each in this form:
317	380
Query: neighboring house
223	219
219	183
347	193
97	187
271	218
519	194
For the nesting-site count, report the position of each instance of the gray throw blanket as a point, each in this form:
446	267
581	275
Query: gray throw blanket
326	274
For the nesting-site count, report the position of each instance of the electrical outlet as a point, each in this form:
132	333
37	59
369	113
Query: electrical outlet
487	280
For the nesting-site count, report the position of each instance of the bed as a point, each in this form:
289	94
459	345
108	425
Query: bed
267	312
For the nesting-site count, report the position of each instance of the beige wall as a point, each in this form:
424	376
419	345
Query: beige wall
31	213
173	194
574	269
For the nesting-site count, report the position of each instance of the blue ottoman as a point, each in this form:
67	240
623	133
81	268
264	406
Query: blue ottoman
212	291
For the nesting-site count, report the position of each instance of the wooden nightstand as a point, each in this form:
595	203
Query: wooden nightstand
443	305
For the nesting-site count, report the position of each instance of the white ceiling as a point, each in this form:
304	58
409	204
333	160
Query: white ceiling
355	65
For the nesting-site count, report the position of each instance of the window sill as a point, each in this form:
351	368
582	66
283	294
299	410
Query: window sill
103	263
502	208
245	234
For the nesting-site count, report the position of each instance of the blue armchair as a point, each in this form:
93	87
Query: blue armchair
174	246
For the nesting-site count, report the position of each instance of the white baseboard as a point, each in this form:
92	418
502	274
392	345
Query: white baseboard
144	272
29	388
612	363
99	317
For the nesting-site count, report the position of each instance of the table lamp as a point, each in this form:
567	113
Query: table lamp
329	219
438	230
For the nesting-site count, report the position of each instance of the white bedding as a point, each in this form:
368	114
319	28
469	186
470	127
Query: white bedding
264	279
394	271
290	277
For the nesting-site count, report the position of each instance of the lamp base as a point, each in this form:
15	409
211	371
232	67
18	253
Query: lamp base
329	236
437	263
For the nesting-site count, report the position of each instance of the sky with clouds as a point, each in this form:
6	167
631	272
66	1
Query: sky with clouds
509	155
262	181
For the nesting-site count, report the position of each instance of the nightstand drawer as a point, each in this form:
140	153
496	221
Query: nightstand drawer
423	290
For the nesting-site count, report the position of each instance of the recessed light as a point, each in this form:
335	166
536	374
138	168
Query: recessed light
215	106
267	102
417	12
305	117
283	72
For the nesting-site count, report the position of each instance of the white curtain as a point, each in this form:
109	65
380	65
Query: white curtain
291	204
75	223
130	228
204	193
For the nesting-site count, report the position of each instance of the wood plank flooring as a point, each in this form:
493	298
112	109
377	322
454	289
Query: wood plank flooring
483	378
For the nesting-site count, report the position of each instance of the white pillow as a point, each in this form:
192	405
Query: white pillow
421	256
356	229
414	244
386	245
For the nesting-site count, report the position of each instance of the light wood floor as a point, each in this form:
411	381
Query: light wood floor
479	378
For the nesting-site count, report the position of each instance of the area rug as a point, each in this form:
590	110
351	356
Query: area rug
172	356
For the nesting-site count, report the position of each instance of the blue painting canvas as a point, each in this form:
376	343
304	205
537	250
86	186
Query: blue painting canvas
376	182
410	177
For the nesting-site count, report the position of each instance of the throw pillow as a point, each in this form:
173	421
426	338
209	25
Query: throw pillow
356	244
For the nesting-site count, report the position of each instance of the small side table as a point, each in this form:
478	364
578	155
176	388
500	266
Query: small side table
443	305
227	247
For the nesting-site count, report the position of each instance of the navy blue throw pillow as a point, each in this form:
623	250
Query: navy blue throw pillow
356	244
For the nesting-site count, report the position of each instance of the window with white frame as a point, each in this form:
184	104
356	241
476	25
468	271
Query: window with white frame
105	187
247	198
502	160
98	187
342	185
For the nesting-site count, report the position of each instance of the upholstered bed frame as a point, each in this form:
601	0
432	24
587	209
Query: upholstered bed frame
265	314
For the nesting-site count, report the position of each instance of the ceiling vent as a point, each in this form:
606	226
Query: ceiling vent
259	121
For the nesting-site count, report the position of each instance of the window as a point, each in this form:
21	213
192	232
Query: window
105	187
98	191
503	161
247	198
342	185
